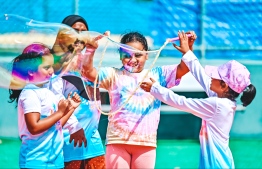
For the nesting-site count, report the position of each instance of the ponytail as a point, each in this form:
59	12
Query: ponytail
248	95
14	95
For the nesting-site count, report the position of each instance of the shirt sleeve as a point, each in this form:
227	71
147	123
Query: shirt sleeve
167	75
198	72
203	108
105	77
30	101
57	86
72	124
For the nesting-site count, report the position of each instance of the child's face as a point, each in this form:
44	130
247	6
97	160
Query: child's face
217	87
79	26
134	62
45	70
80	43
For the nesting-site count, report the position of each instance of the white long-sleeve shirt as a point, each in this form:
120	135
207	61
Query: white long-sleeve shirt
217	116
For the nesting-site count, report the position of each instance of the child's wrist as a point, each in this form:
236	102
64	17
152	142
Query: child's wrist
59	112
89	51
73	107
84	71
183	53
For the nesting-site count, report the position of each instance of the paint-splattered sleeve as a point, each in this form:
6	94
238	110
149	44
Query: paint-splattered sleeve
105	77
167	75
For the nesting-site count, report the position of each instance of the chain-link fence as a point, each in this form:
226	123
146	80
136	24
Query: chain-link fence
225	29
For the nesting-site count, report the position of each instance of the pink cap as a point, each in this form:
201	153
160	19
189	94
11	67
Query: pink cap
233	73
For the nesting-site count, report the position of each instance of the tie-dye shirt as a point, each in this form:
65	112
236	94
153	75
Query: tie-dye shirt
217	116
137	122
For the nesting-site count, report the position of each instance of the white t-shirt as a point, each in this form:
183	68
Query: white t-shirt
42	150
86	116
56	85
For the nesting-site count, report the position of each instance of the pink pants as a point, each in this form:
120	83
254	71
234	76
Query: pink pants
124	156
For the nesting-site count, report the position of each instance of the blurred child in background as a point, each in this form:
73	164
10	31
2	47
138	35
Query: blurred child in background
87	114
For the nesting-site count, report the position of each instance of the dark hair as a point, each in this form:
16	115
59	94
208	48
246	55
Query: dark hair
29	60
247	97
72	19
133	37
14	95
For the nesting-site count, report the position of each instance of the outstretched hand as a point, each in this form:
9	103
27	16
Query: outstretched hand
146	86
87	68
191	39
92	43
64	41
63	106
75	100
79	138
184	45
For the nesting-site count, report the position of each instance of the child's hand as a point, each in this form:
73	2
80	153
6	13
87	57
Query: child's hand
191	39
146	86
79	138
92	43
74	101
64	41
184	47
87	58
62	106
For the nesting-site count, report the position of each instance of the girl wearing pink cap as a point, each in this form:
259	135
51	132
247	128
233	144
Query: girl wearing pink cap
223	85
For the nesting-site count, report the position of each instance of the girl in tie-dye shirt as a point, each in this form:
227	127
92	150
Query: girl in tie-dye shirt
132	131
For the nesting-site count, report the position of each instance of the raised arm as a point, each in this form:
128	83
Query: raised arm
88	70
203	108
63	49
193	64
188	43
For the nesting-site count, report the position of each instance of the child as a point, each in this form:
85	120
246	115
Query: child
87	115
131	132
40	115
223	85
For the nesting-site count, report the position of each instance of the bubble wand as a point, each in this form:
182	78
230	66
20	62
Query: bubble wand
177	38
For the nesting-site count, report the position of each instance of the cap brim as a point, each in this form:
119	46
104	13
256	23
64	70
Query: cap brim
212	71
